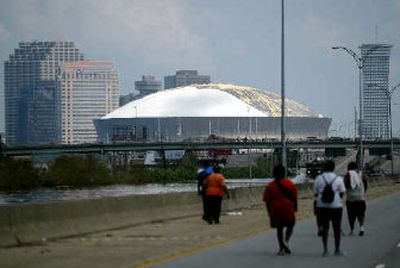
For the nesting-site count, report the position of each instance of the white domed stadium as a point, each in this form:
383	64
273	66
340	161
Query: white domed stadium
198	111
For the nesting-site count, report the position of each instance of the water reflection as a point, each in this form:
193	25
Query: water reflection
61	194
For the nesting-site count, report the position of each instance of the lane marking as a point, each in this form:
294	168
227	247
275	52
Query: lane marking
398	245
380	266
188	252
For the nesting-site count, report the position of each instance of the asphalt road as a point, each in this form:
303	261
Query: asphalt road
378	248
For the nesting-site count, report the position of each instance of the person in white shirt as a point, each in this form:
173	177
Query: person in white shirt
330	211
356	186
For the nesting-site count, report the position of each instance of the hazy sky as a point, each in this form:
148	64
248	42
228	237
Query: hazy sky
234	41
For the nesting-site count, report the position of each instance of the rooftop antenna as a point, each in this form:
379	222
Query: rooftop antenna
376	33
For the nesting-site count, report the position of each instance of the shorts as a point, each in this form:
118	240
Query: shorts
327	215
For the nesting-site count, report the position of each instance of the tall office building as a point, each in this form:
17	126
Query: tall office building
375	85
185	78
88	90
148	85
30	91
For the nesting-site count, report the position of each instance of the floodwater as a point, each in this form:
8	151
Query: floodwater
61	194
64	193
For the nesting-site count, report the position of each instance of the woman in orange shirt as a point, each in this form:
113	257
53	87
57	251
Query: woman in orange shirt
215	188
280	197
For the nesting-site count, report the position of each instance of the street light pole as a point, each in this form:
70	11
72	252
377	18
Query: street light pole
361	159
283	138
360	64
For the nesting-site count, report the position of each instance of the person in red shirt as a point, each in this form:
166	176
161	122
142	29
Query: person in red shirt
280	197
215	188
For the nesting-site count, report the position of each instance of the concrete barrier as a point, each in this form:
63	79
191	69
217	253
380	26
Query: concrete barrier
31	223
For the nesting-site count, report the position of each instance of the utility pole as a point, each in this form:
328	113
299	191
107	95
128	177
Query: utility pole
283	138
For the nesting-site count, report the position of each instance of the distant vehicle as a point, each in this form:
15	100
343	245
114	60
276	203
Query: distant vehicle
313	139
314	168
335	139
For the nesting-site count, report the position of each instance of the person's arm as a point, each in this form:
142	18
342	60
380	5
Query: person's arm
295	193
346	180
365	181
199	185
224	187
316	187
342	188
266	200
204	185
228	196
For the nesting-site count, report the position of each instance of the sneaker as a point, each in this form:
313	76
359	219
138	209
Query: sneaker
325	254
287	250
340	253
361	233
280	253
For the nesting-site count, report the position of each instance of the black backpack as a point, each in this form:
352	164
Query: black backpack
328	195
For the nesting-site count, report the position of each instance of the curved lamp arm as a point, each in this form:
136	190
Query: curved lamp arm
353	54
393	89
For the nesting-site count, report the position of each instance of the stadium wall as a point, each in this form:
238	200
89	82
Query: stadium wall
174	129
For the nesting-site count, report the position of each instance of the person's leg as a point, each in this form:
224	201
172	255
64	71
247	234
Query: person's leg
319	224
318	219
288	235
213	208
351	215
361	216
324	217
208	210
218	202
279	232
203	197
337	227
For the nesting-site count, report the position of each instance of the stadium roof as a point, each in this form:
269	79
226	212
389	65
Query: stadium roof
210	100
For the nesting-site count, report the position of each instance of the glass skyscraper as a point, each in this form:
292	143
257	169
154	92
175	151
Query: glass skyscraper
31	100
375	86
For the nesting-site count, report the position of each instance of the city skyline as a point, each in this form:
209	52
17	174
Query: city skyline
231	41
31	98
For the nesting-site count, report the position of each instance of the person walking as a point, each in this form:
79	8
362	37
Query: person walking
201	176
356	184
329	189
215	187
280	197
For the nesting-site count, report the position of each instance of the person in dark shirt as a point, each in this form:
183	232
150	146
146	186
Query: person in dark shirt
201	176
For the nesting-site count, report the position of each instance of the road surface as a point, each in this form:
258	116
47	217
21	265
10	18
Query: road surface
378	248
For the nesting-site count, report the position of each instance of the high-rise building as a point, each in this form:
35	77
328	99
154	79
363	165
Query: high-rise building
185	78
147	85
88	90
375	85
30	91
